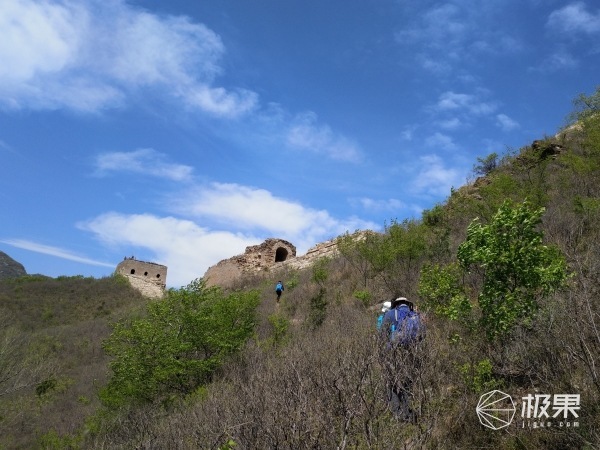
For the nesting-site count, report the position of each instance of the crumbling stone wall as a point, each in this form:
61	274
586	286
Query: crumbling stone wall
273	254
254	259
147	277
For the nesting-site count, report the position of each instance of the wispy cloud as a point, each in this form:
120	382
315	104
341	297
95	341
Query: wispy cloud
441	142
371	204
468	103
220	101
574	18
450	124
305	133
5	147
434	178
446	34
439	26
92	55
53	251
506	123
144	161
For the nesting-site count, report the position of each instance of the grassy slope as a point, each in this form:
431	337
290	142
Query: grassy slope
55	328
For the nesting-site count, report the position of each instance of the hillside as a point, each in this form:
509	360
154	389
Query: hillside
51	360
505	273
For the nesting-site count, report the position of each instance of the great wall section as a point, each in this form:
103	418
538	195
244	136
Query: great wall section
271	255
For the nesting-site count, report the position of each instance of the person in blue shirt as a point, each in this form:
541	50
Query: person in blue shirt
401	356
279	289
385	308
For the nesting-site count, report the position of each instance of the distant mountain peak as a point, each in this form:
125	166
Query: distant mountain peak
9	268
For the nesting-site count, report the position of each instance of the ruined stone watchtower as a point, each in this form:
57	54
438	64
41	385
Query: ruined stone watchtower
147	277
255	258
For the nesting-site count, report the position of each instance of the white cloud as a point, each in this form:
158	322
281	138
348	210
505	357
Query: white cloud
93	54
439	26
53	251
449	33
452	101
506	123
220	102
185	248
434	64
259	210
391	204
38	37
145	161
441	141
560	60
574	18
434	178
305	134
450	124
408	132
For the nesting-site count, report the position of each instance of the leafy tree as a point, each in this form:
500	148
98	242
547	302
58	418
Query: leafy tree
358	250
486	165
517	268
179	344
441	290
318	303
586	106
402	250
586	120
393	257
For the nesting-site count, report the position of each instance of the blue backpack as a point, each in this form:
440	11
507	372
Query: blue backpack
406	326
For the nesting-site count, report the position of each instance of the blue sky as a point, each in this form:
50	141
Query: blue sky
181	132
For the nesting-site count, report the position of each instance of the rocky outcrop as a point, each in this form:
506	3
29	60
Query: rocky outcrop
9	268
545	149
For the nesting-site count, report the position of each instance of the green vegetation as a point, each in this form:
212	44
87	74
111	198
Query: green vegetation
178	345
516	268
505	272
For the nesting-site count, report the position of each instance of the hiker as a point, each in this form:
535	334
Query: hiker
278	290
402	329
385	308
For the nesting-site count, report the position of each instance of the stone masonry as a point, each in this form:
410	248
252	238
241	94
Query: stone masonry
147	277
272	254
254	259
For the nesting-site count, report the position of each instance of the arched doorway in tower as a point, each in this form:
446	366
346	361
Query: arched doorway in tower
281	254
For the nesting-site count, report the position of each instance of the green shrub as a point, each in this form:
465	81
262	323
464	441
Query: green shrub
293	282
364	296
516	267
180	343
479	377
280	326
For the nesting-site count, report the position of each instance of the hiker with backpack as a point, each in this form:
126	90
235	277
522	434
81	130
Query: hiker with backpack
279	289
384	308
403	330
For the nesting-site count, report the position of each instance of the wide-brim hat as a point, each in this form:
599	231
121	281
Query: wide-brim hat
401	301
